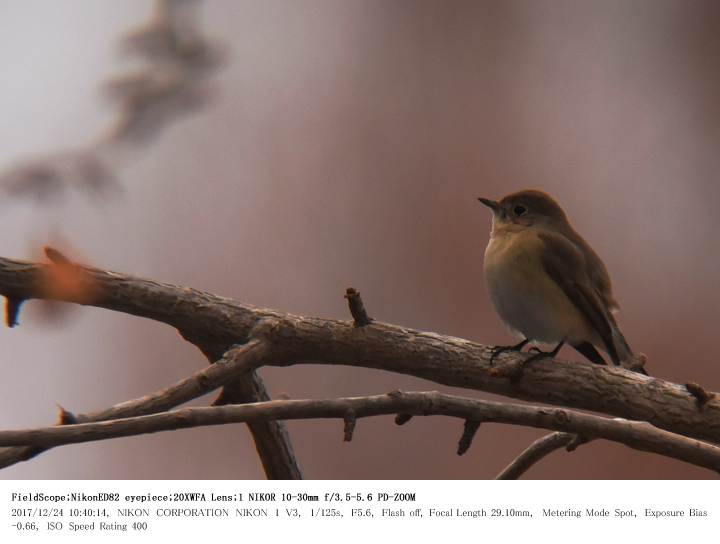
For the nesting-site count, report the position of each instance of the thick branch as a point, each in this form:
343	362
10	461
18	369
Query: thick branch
210	320
168	304
638	435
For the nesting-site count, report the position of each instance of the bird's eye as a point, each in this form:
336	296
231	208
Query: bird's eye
519	210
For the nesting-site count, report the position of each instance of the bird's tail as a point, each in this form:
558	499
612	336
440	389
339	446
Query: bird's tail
622	348
625	354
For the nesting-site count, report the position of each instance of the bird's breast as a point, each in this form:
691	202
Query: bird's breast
527	299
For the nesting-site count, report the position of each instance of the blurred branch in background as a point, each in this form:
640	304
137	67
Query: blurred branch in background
177	61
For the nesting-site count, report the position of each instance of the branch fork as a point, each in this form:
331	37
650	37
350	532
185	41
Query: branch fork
666	418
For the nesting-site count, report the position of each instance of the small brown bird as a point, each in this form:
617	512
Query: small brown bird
547	283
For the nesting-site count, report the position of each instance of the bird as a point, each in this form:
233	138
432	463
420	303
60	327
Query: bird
547	283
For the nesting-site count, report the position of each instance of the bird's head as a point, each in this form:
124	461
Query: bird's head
526	208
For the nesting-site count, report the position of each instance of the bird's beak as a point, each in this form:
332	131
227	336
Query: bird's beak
492	204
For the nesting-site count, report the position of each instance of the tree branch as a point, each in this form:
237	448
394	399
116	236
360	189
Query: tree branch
230	365
215	323
272	441
469	430
638	435
357	308
175	306
536	451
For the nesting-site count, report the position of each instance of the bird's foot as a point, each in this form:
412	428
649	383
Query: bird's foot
539	354
497	350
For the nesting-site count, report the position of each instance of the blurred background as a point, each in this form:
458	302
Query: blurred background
285	150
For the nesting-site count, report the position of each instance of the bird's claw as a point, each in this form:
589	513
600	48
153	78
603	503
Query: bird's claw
497	350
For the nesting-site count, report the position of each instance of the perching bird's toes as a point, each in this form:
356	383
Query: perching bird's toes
497	350
539	354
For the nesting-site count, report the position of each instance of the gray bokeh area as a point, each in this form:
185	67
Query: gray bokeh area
345	143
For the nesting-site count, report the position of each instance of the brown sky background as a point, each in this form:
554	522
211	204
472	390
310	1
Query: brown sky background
345	144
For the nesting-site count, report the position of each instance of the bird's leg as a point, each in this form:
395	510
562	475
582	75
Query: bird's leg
497	350
539	355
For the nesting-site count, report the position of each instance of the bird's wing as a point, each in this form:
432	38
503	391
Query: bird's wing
598	274
565	263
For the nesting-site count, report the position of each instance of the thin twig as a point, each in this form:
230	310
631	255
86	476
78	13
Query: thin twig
350	419
577	441
12	310
66	417
469	430
402	419
236	361
357	308
56	256
536	451
701	396
638	435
